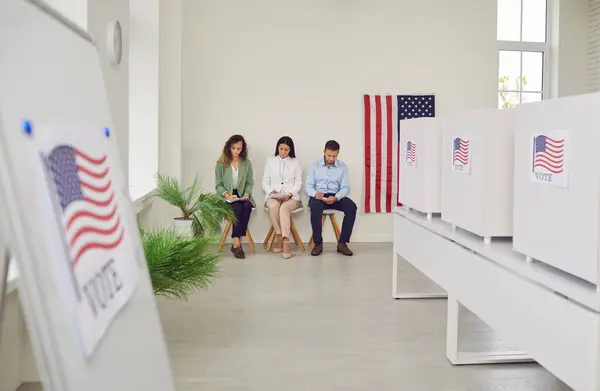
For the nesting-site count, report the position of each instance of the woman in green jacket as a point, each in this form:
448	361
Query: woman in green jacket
234	181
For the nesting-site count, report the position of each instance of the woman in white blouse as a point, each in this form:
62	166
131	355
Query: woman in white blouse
282	182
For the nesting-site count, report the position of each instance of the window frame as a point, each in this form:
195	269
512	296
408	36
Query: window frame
526	46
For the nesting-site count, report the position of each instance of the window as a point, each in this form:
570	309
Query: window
522	51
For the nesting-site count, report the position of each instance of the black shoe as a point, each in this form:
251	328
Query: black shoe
238	252
317	250
343	249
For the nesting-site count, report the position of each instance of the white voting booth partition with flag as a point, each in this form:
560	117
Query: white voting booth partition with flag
557	172
517	239
477	172
421	183
383	114
83	281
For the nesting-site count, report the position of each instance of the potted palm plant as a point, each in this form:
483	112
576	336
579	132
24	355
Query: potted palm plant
178	264
201	213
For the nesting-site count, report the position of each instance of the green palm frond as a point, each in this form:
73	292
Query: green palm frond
210	211
170	190
190	195
207	210
178	265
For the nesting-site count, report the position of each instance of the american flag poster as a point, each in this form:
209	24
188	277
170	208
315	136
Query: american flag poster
411	154
461	155
99	256
549	158
382	126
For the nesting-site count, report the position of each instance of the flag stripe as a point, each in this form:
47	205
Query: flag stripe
389	154
378	117
367	109
382	196
398	168
98	245
373	166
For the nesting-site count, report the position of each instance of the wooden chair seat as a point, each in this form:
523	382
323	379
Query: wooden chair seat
270	238
226	231
334	223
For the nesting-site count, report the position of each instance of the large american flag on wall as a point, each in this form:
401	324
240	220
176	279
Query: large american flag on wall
382	116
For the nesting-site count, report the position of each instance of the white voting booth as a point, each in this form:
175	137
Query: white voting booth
557	184
538	290
83	282
477	172
420	164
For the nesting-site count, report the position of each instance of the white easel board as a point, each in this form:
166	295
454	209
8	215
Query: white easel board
420	164
477	171
557	184
83	281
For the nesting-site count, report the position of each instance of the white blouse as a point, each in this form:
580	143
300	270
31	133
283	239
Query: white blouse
235	174
282	175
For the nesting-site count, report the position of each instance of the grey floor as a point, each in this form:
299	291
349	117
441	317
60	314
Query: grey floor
327	323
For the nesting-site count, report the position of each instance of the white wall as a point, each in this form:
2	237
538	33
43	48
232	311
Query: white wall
116	78
574	15
74	10
594	46
143	93
170	158
568	47
269	68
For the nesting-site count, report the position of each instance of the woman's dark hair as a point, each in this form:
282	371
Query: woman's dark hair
226	156
287	141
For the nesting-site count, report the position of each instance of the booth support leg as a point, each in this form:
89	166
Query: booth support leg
457	357
397	295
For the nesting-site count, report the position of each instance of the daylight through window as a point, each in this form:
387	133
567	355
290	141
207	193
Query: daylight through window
522	48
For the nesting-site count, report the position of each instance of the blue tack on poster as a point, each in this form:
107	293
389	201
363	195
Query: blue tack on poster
27	128
107	132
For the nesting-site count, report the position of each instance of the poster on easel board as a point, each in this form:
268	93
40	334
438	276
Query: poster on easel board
99	257
83	282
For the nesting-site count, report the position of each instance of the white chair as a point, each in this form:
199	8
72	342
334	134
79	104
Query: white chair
270	238
336	226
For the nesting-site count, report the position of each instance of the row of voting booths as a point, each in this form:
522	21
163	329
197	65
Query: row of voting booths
501	209
530	173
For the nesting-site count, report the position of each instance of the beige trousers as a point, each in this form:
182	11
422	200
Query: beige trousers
280	215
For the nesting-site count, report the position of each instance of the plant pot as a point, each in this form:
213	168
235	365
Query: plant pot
183	227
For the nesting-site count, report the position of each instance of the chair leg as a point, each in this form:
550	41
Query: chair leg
296	236
268	237
271	240
336	227
250	241
311	241
225	233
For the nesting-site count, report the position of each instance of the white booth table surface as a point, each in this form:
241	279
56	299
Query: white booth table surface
552	316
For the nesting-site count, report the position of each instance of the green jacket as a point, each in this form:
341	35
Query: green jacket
224	180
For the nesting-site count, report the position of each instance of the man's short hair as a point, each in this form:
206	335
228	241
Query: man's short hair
332	145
